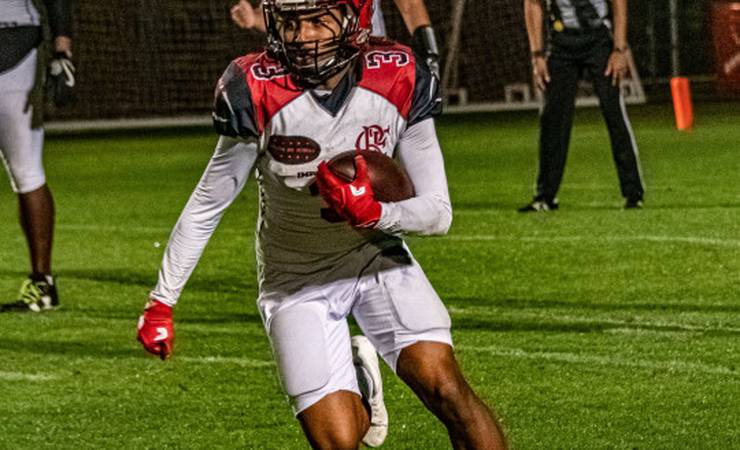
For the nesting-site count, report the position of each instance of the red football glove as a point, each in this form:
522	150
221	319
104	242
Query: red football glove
355	200
156	332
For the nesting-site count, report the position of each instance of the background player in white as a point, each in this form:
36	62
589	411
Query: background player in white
363	94
414	12
32	34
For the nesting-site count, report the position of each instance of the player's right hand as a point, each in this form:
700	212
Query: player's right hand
155	330
245	16
540	72
354	201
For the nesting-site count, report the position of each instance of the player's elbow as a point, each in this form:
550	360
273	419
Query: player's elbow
444	220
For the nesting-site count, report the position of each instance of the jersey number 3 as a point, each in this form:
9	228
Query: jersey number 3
376	59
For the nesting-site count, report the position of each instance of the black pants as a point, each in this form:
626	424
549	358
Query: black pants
574	55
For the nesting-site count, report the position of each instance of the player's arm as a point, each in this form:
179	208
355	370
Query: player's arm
248	17
220	184
617	66
60	22
60	79
223	179
418	151
416	17
430	211
414	13
533	19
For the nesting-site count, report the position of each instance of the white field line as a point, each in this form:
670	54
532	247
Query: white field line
237	361
237	328
565	319
453	237
635	238
114	229
609	361
22	376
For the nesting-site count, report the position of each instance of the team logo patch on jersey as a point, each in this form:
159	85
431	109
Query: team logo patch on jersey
377	58
293	149
372	138
263	72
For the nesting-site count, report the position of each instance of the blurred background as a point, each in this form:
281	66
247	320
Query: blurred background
161	58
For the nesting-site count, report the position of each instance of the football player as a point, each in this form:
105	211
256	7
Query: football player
34	35
414	13
323	86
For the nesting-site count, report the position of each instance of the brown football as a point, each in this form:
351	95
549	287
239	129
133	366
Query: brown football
389	181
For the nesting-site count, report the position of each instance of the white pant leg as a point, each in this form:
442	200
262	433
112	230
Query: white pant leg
310	338
20	146
399	307
310	341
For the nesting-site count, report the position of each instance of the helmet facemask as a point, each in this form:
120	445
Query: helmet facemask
313	61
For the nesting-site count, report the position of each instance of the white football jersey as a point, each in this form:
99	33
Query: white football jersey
17	13
267	122
298	128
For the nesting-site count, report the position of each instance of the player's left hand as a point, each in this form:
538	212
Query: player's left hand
617	67
60	79
353	201
155	330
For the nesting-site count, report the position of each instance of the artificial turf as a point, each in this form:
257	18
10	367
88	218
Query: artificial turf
589	327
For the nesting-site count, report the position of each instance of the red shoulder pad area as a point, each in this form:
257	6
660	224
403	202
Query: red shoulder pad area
270	86
389	70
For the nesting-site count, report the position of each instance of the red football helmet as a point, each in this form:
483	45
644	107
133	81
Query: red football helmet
313	61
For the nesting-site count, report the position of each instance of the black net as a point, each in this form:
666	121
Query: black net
152	57
493	48
144	58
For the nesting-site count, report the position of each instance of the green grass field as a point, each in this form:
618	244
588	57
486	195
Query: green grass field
590	327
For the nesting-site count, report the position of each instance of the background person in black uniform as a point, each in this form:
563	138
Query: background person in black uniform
583	41
35	52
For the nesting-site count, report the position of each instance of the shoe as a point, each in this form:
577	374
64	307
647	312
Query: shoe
540	205
633	203
38	293
371	385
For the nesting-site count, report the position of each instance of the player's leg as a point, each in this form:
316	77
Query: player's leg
400	312
21	149
432	372
36	211
337	421
624	146
314	358
556	121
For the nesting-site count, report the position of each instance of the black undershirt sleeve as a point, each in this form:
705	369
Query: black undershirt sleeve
60	17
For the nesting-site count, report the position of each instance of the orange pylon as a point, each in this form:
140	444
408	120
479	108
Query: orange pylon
682	106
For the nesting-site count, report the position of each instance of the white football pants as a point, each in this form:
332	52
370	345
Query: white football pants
20	146
310	336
